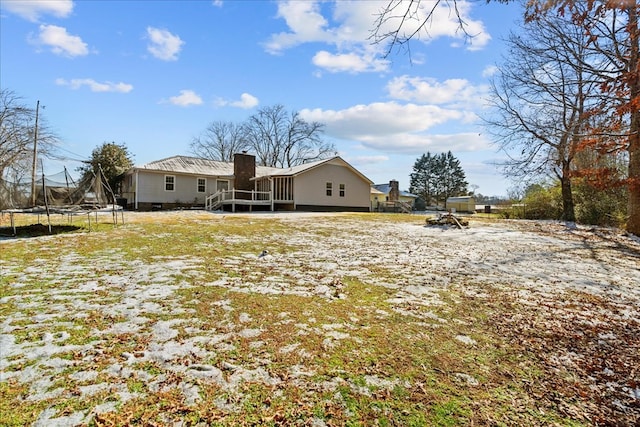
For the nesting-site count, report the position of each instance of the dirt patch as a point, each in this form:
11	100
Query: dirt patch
36	230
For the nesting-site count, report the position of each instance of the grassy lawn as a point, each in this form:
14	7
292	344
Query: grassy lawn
349	320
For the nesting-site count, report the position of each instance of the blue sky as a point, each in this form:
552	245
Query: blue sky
153	74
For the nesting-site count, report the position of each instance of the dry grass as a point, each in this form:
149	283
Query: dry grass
350	319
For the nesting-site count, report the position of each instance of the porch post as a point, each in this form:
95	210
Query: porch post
135	194
271	192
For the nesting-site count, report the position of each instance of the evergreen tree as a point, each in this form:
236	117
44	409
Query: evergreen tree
422	179
438	177
114	159
452	178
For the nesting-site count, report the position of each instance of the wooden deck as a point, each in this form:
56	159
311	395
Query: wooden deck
235	198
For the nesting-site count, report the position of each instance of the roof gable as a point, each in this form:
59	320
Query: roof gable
300	169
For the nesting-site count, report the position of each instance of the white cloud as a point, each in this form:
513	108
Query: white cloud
305	22
348	34
444	22
415	143
489	71
395	127
163	45
218	3
245	102
186	98
349	62
33	9
60	42
95	86
380	118
347	26
428	90
367	160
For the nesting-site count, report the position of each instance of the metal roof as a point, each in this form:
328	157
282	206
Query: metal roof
460	199
385	188
198	166
189	165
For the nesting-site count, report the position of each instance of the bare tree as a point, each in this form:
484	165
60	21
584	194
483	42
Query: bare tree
220	141
614	33
543	102
303	142
17	136
400	21
615	36
283	139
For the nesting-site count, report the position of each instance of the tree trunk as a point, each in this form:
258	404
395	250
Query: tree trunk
568	211
633	224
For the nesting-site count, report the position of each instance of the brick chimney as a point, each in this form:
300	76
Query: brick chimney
394	191
244	168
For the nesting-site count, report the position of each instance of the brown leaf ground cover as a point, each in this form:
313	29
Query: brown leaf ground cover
193	318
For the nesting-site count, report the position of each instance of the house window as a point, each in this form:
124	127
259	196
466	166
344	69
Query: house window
329	189
222	185
169	183
202	185
342	190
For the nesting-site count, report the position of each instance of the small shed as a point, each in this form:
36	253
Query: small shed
462	203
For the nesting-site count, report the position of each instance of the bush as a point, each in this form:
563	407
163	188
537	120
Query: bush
600	207
542	203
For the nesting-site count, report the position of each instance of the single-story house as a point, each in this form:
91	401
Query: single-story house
181	181
461	204
388	197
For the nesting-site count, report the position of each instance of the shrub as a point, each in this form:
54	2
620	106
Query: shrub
600	207
542	202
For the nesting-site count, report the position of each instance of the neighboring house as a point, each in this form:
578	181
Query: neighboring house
462	204
377	196
180	181
388	197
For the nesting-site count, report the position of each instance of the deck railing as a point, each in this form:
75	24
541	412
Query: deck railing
212	202
393	206
240	197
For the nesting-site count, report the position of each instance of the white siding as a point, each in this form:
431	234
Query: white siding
151	188
307	184
310	187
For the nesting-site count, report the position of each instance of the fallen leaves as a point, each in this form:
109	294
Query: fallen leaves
588	352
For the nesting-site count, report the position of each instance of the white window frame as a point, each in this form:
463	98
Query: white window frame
173	183
342	190
328	189
204	186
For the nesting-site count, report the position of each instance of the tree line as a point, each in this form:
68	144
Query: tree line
277	137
